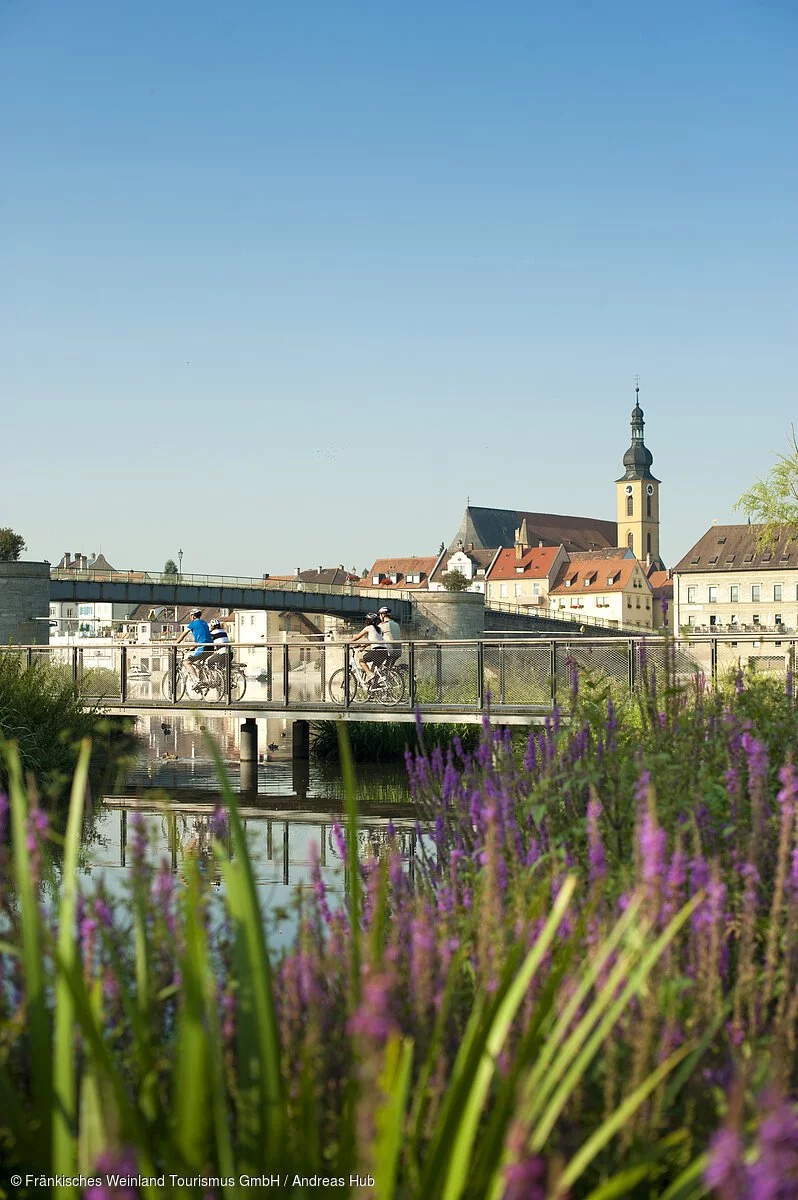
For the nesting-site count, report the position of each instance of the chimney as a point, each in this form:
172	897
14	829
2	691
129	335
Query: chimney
521	540
320	570
297	571
67	558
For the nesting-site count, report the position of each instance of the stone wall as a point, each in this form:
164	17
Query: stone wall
24	596
447	615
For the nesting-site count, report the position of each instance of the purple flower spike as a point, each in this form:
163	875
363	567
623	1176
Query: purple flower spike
726	1171
595	845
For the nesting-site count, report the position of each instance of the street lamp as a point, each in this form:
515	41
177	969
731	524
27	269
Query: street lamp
179	563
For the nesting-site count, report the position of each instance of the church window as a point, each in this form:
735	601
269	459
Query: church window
648	506
648	543
630	506
630	541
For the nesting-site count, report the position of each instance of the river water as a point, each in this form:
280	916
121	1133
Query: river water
173	783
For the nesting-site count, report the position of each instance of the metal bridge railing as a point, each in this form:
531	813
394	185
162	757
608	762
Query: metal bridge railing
263	583
511	675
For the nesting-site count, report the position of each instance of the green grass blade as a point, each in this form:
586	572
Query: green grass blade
636	981
259	1040
690	1184
609	1127
621	1184
191	1101
64	1085
352	860
463	1139
390	1116
32	961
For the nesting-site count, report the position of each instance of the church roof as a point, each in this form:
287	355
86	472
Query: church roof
485	528
638	458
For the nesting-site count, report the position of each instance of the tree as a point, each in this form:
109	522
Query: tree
772	503
441	548
455	581
11	545
170	567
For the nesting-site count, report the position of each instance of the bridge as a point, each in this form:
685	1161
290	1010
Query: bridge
517	680
221	591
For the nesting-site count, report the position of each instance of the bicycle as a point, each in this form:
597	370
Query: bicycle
210	682
386	685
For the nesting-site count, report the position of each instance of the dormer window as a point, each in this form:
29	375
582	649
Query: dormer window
766	557
375	580
519	570
748	558
694	561
713	559
721	541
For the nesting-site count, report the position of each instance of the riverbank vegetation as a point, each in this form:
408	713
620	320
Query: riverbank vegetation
44	712
384	741
587	987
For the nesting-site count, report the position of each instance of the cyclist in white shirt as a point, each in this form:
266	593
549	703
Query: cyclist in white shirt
392	634
376	654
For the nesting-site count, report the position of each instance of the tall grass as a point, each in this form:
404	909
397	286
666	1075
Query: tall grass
590	988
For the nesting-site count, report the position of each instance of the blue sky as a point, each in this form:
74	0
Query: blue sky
284	284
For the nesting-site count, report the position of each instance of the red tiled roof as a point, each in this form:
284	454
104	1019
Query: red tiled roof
401	567
598	571
536	563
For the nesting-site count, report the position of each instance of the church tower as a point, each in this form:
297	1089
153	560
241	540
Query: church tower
638	495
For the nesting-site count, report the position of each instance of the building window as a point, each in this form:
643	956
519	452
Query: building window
691	594
777	619
713	620
777	591
734	594
648	543
536	589
713	594
755	618
630	541
648	506
519	589
502	589
630	506
691	620
755	592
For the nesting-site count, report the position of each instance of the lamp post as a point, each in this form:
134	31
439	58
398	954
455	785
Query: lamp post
179	563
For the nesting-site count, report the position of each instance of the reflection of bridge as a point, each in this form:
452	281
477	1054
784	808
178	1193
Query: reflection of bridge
517	680
187	832
220	591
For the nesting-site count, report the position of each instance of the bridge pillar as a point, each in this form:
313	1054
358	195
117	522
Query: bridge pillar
248	778
301	744
24	603
248	751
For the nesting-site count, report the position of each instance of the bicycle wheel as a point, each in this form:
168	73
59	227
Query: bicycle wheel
202	688
392	689
238	683
337	686
166	685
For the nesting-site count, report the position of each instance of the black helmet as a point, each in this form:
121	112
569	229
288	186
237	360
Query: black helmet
372	617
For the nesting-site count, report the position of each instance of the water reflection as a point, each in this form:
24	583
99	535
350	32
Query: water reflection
287	809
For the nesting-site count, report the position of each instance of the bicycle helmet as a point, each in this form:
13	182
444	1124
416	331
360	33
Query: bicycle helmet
372	617
195	612
216	623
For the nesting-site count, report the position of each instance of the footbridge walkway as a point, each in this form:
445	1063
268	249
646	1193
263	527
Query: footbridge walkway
518	680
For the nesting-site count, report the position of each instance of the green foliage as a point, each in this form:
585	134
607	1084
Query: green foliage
455	581
385	741
170	567
43	711
11	544
771	504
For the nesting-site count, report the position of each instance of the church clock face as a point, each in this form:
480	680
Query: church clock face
650	489
628	489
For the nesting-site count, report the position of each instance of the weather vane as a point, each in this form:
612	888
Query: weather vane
637	383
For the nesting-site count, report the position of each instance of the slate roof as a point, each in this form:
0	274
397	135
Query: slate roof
734	548
486	528
481	558
332	575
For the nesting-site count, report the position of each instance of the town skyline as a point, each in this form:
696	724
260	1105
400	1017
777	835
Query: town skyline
285	287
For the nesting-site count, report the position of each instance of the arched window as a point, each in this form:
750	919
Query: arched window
630	506
648	543
648	506
630	540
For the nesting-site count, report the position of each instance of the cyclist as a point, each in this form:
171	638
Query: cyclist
392	634
221	643
376	653
201	633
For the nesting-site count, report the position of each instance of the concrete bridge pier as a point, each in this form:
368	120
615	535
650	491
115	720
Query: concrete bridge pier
248	755
301	740
300	778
